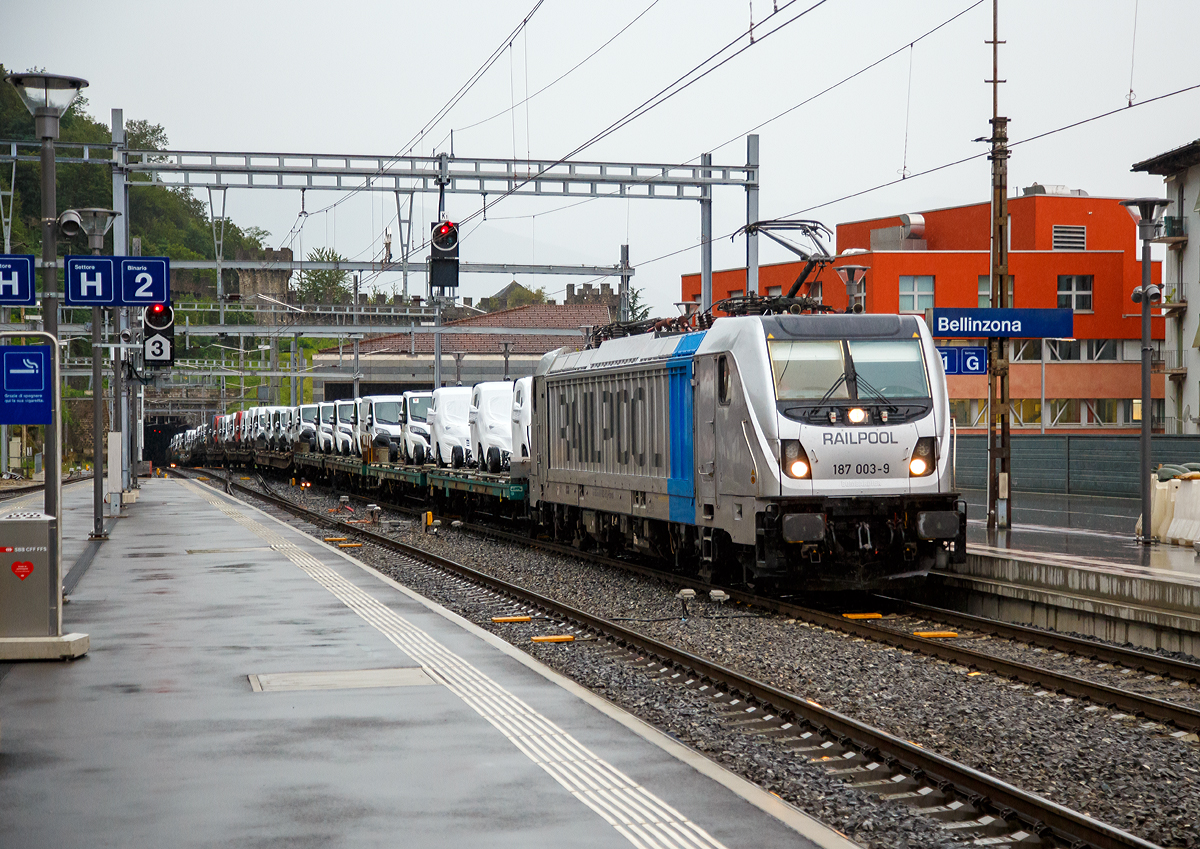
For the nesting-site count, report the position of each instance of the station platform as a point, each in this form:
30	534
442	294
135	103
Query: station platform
1072	563
248	685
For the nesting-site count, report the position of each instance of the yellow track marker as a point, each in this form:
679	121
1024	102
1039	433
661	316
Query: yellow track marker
512	618
246	479
335	539
936	635
201	479
862	615
349	545
555	638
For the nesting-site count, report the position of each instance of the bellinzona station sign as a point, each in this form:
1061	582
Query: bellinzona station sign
986	323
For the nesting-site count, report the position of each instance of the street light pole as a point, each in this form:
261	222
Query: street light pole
47	97
1147	212
95	223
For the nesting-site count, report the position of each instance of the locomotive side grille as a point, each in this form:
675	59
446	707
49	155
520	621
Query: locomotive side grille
611	423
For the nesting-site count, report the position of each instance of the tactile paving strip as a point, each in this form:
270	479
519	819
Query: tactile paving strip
636	813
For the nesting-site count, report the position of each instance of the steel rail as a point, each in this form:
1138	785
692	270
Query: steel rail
1039	815
1130	658
16	492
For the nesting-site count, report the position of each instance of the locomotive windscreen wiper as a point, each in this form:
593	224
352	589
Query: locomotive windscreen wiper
829	392
871	390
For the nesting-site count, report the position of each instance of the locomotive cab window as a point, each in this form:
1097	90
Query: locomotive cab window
808	370
893	367
723	381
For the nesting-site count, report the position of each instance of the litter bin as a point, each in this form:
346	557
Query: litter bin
29	585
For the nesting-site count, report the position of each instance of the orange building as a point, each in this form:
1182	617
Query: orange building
1066	250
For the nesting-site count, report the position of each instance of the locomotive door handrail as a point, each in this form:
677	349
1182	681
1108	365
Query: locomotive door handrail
953	454
753	459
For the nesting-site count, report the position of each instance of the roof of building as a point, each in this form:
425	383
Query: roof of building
549	316
1171	161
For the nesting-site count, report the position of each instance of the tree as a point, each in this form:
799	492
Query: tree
519	296
323	286
638	311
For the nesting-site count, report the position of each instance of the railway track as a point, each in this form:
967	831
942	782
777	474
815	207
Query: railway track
965	800
10	494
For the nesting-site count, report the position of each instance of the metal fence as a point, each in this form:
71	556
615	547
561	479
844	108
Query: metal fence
1068	464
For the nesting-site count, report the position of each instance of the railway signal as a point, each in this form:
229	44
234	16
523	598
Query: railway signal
443	258
158	333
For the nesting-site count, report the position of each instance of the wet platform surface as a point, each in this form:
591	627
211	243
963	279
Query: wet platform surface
249	686
1078	530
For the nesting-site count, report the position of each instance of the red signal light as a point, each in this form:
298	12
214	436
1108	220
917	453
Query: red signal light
157	308
444	229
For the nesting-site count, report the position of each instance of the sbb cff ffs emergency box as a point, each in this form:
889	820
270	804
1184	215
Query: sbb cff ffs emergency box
29	588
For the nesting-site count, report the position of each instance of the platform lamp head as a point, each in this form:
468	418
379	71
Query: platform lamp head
47	97
855	278
1148	213
95	223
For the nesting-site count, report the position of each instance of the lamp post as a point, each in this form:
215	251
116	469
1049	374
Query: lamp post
47	97
1147	212
852	276
96	223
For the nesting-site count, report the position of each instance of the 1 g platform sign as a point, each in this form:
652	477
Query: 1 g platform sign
26	391
963	359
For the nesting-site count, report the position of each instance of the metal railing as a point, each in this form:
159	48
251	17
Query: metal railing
1172	359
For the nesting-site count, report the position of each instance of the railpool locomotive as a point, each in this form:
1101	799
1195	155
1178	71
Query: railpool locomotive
811	451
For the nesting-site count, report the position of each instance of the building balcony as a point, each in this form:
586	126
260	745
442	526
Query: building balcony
1174	235
1172	362
1174	305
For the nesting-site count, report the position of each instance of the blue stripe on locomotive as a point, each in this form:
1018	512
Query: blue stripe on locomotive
681	485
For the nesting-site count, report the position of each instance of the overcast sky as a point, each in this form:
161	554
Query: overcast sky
356	77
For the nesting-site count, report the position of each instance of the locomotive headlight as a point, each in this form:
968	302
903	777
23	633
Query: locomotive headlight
795	460
857	415
922	461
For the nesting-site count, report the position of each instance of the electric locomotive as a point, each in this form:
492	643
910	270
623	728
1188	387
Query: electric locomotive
806	451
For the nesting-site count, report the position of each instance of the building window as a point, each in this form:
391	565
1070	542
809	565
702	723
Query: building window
916	293
1027	411
1064	411
814	291
1075	292
1104	411
1102	349
736	293
1027	350
1069	237
1133	410
774	291
960	411
985	291
1063	350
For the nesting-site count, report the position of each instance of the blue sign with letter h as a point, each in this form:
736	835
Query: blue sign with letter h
16	280
89	281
